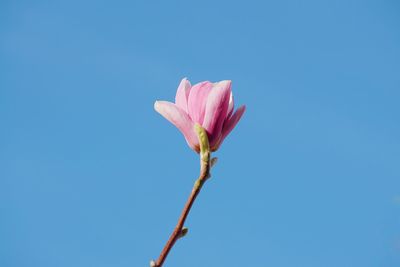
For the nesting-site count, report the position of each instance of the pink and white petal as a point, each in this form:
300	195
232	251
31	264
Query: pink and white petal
182	94
180	119
216	110
231	122
197	101
231	106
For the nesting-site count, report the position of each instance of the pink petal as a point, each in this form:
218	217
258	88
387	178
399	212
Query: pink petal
231	123
197	101
231	106
216	110
182	94
180	119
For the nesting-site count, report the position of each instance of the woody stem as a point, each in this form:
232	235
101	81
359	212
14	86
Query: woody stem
177	233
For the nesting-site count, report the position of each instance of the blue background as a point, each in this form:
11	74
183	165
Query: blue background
91	175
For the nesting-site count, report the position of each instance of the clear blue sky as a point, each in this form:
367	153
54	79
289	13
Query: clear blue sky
91	175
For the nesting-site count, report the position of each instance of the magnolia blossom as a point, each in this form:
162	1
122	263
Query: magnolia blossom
208	104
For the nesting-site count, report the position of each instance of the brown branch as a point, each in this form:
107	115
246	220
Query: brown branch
176	234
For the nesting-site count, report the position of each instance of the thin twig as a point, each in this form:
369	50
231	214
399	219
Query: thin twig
204	174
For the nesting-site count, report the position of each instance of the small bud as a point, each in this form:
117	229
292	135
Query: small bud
153	263
183	232
213	161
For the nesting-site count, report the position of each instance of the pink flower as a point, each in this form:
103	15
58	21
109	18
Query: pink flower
208	104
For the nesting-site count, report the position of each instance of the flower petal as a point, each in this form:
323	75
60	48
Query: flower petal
180	119
216	110
229	125
231	106
197	101
182	94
